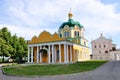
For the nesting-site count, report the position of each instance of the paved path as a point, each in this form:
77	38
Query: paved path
109	71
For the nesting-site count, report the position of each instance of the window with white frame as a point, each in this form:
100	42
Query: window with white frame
76	33
66	34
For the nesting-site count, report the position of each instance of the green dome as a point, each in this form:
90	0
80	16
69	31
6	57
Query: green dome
71	23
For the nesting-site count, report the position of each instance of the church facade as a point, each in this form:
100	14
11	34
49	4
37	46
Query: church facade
104	49
67	46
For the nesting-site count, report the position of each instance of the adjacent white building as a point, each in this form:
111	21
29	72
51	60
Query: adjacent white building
115	55
104	49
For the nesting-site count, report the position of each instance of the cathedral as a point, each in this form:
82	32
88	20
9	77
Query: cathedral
68	45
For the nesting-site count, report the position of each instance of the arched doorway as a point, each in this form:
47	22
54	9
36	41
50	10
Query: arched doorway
44	55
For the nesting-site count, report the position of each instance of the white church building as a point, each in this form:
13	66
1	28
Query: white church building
104	49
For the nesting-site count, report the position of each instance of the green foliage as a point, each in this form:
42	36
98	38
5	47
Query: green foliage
4	48
39	70
12	46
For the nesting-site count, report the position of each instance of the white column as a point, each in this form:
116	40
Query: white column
49	53
40	55
52	53
74	55
65	53
59	53
32	54
28	54
37	54
55	53
70	53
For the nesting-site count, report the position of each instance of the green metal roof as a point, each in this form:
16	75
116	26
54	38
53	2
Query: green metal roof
71	23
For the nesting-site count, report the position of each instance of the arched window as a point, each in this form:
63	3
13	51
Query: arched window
66	34
113	48
106	51
43	52
104	46
95	46
76	33
60	35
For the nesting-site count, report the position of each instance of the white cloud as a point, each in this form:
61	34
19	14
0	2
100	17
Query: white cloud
37	15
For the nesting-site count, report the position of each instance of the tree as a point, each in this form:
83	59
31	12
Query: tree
24	46
4	49
12	46
20	48
6	36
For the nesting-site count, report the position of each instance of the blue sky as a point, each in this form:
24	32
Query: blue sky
27	18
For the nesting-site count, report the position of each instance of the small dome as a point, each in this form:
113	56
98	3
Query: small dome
71	23
70	15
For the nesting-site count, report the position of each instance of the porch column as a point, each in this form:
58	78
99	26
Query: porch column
40	55
32	54
65	53
74	55
70	53
59	53
37	54
28	54
49	53
52	53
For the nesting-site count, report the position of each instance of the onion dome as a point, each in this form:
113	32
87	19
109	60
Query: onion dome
71	22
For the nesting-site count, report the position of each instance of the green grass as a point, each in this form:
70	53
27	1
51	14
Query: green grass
40	70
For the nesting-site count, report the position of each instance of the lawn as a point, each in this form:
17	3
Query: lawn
40	70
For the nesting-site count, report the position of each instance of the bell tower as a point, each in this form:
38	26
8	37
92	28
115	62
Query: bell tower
72	31
71	28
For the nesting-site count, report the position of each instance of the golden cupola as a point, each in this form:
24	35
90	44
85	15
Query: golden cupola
70	15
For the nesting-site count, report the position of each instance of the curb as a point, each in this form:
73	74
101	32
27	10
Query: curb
72	74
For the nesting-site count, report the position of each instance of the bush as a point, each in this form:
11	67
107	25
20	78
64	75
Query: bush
20	60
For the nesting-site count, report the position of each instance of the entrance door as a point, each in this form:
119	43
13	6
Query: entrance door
44	55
